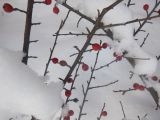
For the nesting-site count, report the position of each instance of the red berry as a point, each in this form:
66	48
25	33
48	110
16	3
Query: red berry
155	78
63	63
68	93
146	7
141	87
96	47
7	8
48	2
104	113
56	10
118	58
66	118
85	67
70	113
54	60
136	86
104	45
70	80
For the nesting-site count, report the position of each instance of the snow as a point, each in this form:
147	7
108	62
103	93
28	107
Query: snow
135	102
122	35
22	91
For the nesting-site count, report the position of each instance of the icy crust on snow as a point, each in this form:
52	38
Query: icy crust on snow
122	35
23	92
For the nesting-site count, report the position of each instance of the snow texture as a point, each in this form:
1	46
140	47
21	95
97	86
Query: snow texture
23	92
122	35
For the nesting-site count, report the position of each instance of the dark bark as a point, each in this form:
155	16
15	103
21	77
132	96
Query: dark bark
27	32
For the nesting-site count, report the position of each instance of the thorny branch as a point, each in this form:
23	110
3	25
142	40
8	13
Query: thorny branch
88	86
148	16
55	42
124	91
89	37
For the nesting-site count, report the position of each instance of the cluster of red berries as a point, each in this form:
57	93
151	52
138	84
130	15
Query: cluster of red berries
9	8
117	56
55	8
97	47
70	113
137	86
61	62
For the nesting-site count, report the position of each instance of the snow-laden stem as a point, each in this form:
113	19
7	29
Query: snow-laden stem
55	42
86	17
132	21
91	34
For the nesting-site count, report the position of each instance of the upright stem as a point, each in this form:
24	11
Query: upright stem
28	26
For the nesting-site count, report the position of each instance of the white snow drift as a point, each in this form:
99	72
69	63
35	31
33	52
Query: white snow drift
22	92
122	35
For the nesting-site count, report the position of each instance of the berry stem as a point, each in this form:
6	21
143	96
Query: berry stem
17	9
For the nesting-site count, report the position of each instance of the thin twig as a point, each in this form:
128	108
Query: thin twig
100	116
88	86
148	17
122	109
17	9
78	34
99	86
129	22
55	42
124	91
144	40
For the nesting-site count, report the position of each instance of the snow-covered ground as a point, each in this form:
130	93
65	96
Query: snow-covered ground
11	36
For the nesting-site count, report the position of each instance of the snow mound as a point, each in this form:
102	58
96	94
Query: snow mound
122	35
22	91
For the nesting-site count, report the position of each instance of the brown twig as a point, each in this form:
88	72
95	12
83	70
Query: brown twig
100	86
148	17
124	91
91	34
144	40
131	21
78	34
100	115
85	92
55	42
